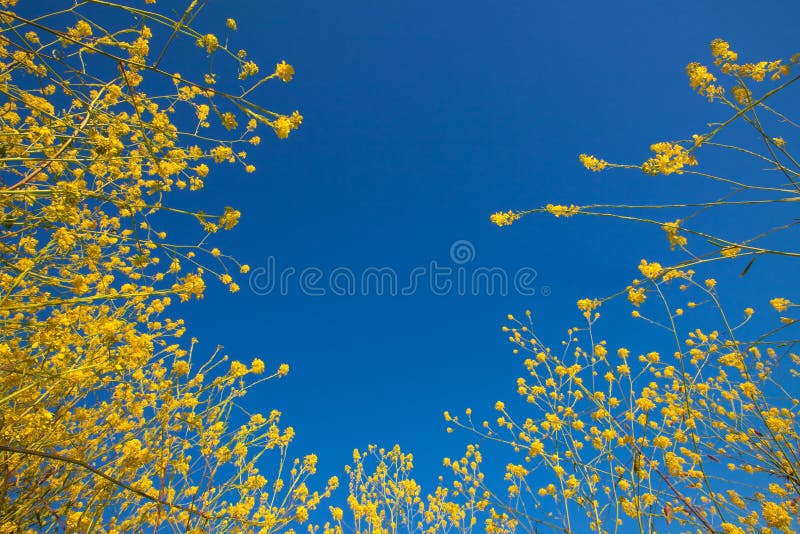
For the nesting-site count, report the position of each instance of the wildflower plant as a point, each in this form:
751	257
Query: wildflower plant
737	90
384	498
697	432
109	422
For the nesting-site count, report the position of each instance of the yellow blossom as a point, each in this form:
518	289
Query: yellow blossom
780	304
257	366
209	42
650	270
562	211
504	219
776	515
672	228
592	163
284	71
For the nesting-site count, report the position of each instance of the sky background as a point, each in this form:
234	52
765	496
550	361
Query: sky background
422	119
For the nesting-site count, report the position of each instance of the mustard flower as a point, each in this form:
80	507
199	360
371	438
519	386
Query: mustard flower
504	219
776	515
650	270
592	163
282	127
209	42
284	71
721	49
562	211
780	304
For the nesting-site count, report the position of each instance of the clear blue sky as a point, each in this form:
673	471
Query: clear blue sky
421	119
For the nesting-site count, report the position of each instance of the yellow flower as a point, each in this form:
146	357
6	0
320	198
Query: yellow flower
730	528
562	211
592	163
284	71
721	49
282	127
749	389
180	367
672	228
776	515
730	252
219	154
741	94
238	369
587	305
296	119
248	68
257	366
504	219
650	270
202	111
209	42
230	218
536	448
310	463
699	77
670	158
132	447
780	304
637	295
229	120
83	28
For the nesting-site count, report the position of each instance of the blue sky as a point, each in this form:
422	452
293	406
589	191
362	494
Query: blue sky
422	119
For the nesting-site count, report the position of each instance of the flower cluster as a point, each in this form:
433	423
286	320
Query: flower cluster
618	437
696	427
110	423
504	219
558	210
385	498
670	158
592	163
